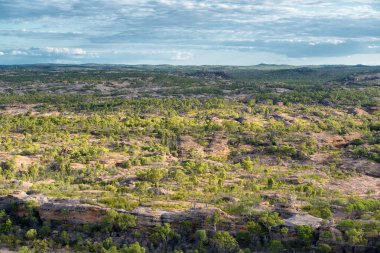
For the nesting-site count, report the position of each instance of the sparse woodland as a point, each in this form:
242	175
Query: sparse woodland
189	159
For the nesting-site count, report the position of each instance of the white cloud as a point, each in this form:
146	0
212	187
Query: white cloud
1	53
327	41
58	29
182	56
65	51
18	52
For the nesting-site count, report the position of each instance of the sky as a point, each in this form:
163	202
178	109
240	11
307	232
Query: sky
190	32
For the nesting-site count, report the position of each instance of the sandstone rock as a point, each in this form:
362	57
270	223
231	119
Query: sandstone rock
72	212
188	148
160	191
336	140
218	146
198	217
303	219
373	109
357	111
283	117
241	119
292	180
230	199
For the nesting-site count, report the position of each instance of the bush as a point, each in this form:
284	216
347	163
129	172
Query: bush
324	248
163	234
153	175
355	236
247	164
275	246
223	242
31	234
119	221
305	234
133	248
269	220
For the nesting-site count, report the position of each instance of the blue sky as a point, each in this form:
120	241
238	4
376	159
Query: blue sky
191	32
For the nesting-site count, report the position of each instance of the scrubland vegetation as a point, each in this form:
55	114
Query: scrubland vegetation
220	159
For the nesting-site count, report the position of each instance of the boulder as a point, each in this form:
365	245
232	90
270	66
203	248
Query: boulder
303	219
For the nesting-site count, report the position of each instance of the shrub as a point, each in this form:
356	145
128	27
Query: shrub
275	246
223	242
152	175
305	234
324	248
269	220
119	221
355	236
247	164
163	234
133	248
31	234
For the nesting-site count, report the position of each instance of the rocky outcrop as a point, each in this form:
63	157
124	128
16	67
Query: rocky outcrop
160	191
218	145
357	111
199	218
72	212
188	148
75	212
303	219
338	141
362	166
51	209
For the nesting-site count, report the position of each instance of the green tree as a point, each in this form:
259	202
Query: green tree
152	175
65	238
324	248
34	171
223	242
45	230
275	246
40	246
8	168
24	249
247	164
163	234
133	248
6	227
215	218
201	238
119	221
254	228
269	220
31	234
270	183
355	236
305	234
141	189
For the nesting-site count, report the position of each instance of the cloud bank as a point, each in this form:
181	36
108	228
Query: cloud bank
239	32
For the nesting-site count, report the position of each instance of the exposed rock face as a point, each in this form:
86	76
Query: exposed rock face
189	148
218	146
325	138
357	111
160	191
374	109
50	209
72	212
198	218
283	117
362	166
303	219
